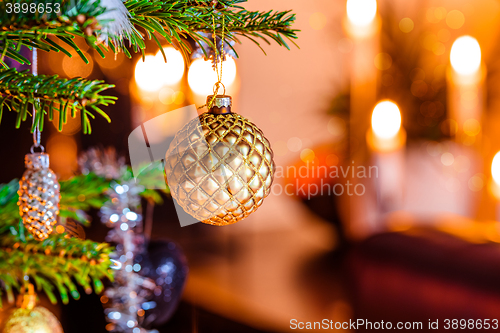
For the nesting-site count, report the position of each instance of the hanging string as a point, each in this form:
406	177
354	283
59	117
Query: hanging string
27	297
218	56
36	131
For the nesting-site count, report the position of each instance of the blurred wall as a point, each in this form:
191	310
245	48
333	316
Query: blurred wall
287	93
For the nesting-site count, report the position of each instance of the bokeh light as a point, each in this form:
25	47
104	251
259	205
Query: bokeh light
495	168
383	61
146	74
472	127
153	73
447	159
449	127
337	127
307	155
436	14
111	60
361	12
417	74
202	76
386	119
444	35
438	48
173	70
63	152
332	160
465	55
476	182
440	13
75	66
406	25
455	19
166	95
317	20
294	144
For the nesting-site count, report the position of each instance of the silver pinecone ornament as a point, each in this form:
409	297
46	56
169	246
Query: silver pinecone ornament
38	196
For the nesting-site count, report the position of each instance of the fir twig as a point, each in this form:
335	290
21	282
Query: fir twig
174	20
55	263
19	90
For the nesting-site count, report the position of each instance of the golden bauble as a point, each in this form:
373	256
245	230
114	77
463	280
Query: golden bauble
220	166
37	320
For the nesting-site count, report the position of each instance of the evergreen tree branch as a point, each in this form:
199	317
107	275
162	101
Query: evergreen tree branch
20	90
34	29
175	20
57	262
81	193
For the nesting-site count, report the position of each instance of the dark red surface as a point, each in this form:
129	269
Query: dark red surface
397	277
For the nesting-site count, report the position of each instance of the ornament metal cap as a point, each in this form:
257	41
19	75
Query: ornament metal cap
221	104
36	161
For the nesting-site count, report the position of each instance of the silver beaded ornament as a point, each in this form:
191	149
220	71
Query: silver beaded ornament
38	196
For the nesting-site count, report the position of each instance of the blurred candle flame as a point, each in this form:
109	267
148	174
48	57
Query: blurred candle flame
361	12
153	73
495	169
386	120
465	55
146	74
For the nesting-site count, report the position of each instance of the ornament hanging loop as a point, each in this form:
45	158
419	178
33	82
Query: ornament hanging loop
216	89
32	149
27	297
36	129
218	55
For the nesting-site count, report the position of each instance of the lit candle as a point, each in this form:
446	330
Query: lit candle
495	182
465	89
154	73
157	88
362	26
386	140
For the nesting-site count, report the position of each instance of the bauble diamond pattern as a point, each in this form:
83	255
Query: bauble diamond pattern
220	168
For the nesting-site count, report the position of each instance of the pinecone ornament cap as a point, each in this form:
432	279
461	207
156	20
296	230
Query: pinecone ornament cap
36	161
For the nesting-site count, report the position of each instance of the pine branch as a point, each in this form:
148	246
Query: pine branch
81	193
54	264
58	264
175	20
67	19
20	90
9	211
60	13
